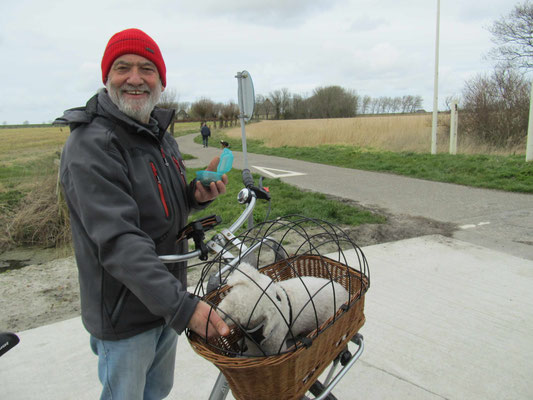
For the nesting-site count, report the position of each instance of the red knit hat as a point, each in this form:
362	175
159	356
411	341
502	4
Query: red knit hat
133	41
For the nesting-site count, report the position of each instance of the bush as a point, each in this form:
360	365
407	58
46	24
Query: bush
496	108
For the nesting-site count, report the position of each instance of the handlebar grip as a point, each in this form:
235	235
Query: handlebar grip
247	178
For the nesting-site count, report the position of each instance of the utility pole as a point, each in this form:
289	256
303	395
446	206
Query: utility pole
436	88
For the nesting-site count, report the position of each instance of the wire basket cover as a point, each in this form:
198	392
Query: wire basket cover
289	248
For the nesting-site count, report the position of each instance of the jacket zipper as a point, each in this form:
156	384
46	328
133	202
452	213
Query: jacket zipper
163	155
179	169
160	187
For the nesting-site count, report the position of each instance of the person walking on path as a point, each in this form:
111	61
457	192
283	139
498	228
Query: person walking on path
206	132
126	189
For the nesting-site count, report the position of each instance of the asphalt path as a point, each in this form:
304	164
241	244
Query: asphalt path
494	219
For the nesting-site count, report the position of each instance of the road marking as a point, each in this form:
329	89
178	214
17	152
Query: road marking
277	174
470	226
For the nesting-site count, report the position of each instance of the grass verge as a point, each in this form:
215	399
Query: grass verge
509	173
286	200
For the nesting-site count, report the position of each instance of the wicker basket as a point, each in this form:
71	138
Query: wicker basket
289	375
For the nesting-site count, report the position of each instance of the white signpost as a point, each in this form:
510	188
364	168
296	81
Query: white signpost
246	97
529	146
453	128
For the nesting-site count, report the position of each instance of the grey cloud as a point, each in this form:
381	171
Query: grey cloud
267	12
365	24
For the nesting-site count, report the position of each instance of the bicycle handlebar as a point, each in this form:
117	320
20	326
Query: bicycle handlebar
248	195
247	178
248	181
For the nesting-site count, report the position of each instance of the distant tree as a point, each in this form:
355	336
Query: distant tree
216	113
268	107
275	99
259	106
299	107
234	113
383	102
202	109
365	104
396	104
333	102
513	35
280	102
285	103
229	112
26	122
406	103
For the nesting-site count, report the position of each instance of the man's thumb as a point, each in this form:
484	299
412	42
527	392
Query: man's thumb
213	164
222	328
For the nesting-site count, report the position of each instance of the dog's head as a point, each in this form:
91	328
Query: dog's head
254	300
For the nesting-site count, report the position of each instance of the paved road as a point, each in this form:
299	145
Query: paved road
498	220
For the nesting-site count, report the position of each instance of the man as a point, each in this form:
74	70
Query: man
206	132
125	186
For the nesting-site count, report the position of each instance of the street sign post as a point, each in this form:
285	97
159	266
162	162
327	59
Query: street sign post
246	97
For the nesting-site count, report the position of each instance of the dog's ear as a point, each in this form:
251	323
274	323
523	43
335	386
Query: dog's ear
236	278
244	273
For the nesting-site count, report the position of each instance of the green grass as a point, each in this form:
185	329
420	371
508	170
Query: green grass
186	156
286	200
10	199
18	178
508	173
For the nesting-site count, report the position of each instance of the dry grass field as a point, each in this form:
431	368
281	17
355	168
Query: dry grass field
397	133
27	156
23	145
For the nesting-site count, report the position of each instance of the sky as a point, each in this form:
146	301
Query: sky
51	50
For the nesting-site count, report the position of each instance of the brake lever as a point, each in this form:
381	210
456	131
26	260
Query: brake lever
260	192
196	230
204	224
248	180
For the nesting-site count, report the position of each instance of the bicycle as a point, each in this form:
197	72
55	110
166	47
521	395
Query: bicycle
229	250
8	340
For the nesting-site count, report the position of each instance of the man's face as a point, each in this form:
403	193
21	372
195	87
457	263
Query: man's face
134	86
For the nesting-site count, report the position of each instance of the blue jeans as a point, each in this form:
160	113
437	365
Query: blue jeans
137	368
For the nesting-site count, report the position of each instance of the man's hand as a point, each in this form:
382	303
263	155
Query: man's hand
204	194
205	314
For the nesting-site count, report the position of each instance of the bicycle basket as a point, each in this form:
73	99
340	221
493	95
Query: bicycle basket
286	251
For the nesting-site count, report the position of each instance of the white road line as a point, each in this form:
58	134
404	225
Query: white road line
470	226
275	173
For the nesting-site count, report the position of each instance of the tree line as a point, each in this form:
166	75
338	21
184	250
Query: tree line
331	102
325	102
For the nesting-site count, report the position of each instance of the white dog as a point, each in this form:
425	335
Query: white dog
283	310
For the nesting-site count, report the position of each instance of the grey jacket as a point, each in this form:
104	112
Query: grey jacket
127	194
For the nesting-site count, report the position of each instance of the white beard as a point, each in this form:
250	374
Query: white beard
139	110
